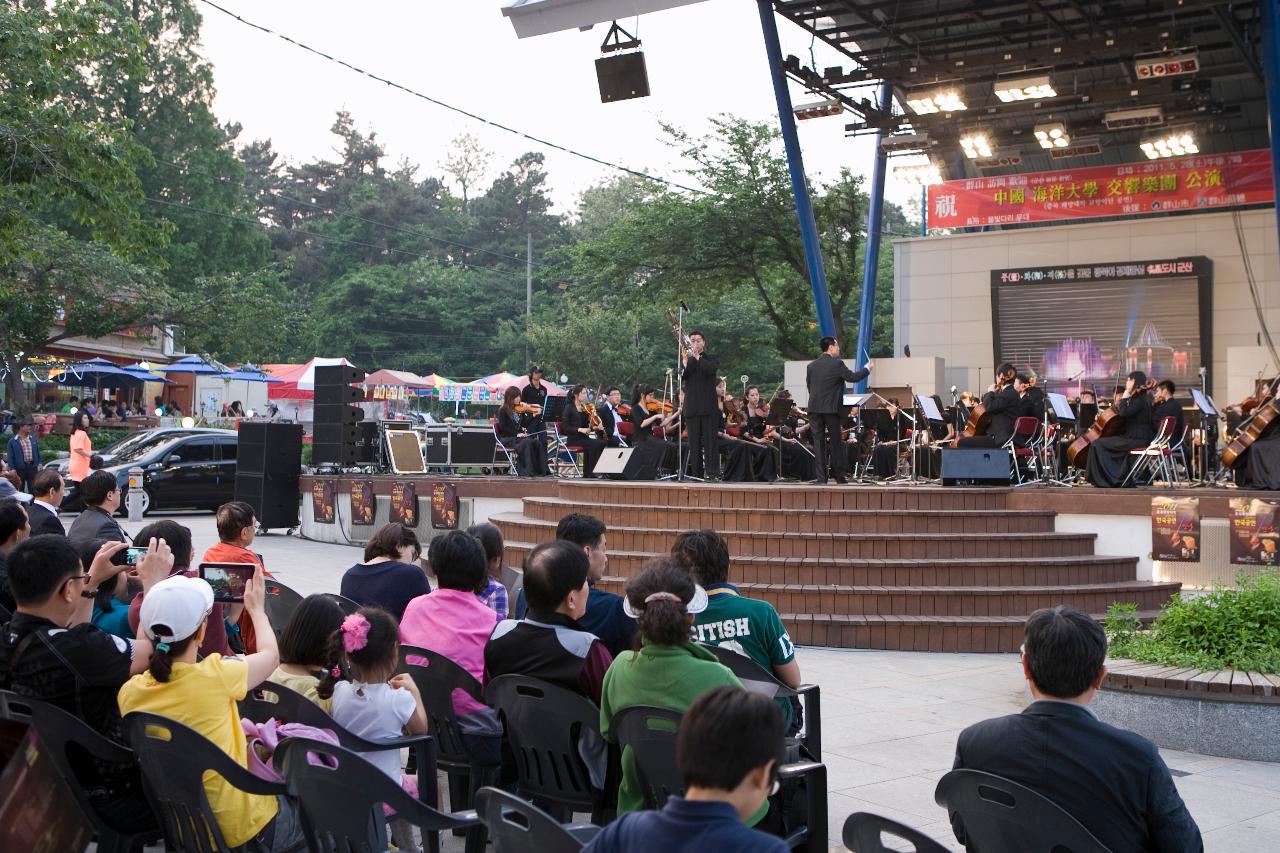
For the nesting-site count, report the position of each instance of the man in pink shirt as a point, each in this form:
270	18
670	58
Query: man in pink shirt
454	622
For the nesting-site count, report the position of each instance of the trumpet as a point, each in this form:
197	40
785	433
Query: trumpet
686	343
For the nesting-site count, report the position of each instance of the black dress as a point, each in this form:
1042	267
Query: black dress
575	419
764	457
530	450
1259	466
884	459
1109	456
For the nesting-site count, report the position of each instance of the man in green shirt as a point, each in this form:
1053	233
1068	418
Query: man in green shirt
748	626
72	405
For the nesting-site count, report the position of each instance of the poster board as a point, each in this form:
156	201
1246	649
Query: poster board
322	501
404	503
1175	529
1253	535
363	502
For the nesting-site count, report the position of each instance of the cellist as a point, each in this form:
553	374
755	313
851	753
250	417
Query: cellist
1109	455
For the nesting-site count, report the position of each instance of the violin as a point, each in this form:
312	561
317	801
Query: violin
653	407
593	419
523	408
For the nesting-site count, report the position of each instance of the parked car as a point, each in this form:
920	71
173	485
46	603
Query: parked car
133	444
182	469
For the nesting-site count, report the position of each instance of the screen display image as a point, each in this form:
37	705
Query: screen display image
1076	335
227	579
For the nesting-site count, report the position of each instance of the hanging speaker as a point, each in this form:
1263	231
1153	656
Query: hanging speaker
622	77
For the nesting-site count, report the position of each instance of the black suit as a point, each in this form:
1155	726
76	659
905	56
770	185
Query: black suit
95	523
43	521
701	413
1004	407
1111	780
825	377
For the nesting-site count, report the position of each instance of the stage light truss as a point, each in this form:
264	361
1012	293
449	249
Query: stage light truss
1179	143
818	109
1052	135
1032	87
976	143
919	174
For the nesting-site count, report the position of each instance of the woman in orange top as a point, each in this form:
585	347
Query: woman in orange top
81	447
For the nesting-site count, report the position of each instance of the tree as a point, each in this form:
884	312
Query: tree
466	164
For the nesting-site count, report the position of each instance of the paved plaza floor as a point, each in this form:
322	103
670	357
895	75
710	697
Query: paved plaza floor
890	721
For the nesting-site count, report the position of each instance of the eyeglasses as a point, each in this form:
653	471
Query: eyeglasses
84	578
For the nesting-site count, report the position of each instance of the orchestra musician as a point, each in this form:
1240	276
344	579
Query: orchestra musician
582	428
650	417
891	440
1109	455
782	428
530	450
1164	406
1032	396
736	466
755	420
1259	465
825	378
701	410
855	438
534	397
607	409
1003	404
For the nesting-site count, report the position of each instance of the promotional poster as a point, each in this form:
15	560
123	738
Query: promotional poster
404	503
322	503
363	502
1175	529
1253	532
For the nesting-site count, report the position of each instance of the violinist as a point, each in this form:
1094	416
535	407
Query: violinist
891	440
1109	455
1258	466
734	452
650	417
534	398
530	450
582	428
1003	404
1164	406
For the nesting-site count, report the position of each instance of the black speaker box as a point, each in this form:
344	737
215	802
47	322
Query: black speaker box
367	443
621	78
338	374
337	413
327	395
334	454
975	467
643	462
330	433
269	448
274	497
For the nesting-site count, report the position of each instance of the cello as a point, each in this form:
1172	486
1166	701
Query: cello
1109	422
1264	414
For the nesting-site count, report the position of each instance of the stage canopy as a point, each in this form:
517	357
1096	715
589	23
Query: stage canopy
539	17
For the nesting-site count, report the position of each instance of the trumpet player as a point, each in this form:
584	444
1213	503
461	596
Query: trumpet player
701	406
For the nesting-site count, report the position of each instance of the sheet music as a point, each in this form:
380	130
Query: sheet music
1204	403
929	407
1061	408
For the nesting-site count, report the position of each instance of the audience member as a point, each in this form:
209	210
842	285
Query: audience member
50	651
728	749
80	446
202	695
110	613
493	593
236	530
101	495
455	623
14	528
23	453
549	643
304	647
390	576
222	621
669	670
1111	780
47	491
748	626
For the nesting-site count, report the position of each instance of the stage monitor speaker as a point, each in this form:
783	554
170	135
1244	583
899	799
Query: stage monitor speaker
274	497
269	448
334	454
975	467
329	433
613	460
338	374
622	77
337	413
367	443
638	463
327	395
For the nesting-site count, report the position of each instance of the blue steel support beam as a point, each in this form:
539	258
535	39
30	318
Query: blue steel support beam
1271	69
871	263
795	164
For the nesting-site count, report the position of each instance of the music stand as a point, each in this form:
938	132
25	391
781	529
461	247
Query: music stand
1209	415
930	413
1051	457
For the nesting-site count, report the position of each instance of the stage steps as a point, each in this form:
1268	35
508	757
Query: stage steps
919	568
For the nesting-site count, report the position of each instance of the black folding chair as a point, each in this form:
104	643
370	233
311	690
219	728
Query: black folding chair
651	735
174	759
342	795
864	833
518	826
60	732
545	725
760	680
280	602
999	814
348	606
269	700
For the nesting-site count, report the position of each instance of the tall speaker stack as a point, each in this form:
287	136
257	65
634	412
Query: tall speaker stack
268	462
336	439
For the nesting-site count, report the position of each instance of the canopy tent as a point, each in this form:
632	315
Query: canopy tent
501	380
396	379
553	390
539	17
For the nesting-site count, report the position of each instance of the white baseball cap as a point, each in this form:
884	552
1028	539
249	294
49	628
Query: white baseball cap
697	604
179	605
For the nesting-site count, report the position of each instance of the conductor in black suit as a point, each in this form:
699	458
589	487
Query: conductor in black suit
1111	780
825	378
701	407
47	490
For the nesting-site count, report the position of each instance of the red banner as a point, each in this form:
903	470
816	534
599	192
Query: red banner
1201	182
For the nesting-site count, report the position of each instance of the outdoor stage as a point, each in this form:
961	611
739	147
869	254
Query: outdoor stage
920	568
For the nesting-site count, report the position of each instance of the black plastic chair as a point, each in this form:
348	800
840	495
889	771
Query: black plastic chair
348	606
269	700
58	732
651	735
544	725
518	826
999	814
864	833
174	759
280	603
436	682
341	796
757	679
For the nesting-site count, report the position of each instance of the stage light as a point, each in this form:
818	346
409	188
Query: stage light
975	145
919	174
1177	144
1052	135
1138	117
948	99
1030	88
818	109
905	142
1186	61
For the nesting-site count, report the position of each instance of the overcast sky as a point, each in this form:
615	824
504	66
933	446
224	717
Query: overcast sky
702	59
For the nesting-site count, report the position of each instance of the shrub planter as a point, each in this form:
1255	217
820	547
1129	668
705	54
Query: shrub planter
1227	713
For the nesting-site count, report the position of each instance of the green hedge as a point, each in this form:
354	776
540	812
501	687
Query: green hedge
1228	628
51	444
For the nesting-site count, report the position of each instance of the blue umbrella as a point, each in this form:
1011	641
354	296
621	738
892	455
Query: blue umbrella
193	364
95	373
248	373
144	373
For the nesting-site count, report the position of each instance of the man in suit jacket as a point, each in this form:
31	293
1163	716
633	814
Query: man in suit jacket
23	453
101	495
1111	780
48	490
825	378
701	413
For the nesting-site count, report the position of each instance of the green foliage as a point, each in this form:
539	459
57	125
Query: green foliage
54	443
1228	628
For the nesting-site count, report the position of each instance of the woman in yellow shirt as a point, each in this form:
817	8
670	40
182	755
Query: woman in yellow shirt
202	696
81	447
